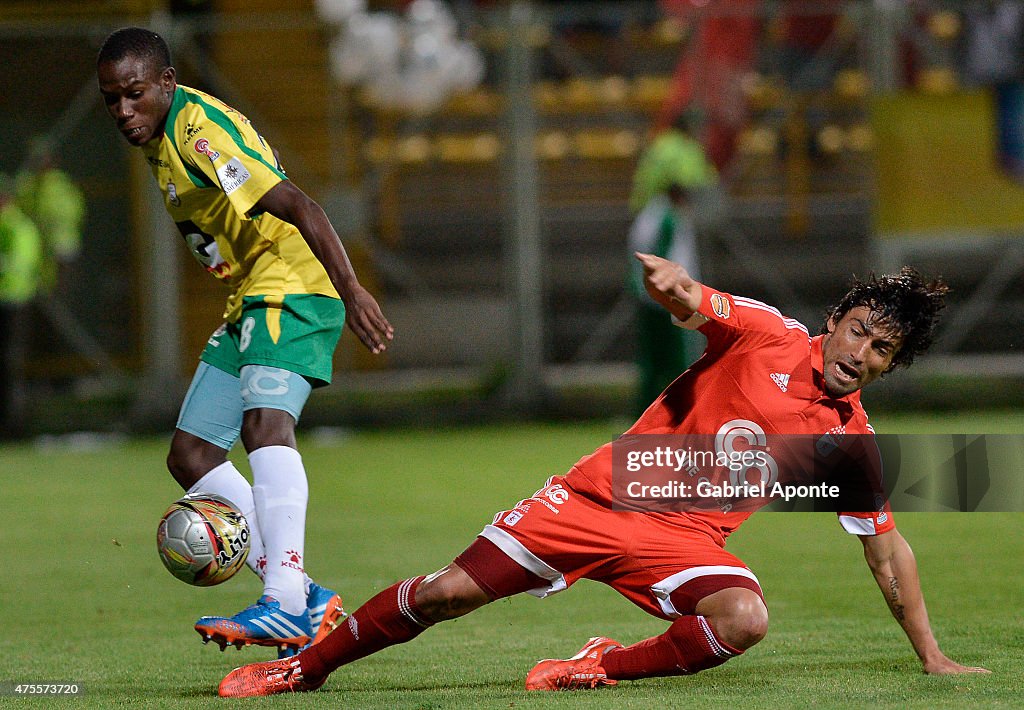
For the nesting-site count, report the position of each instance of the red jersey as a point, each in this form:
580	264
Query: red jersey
761	373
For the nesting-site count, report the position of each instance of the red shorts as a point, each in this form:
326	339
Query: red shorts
561	536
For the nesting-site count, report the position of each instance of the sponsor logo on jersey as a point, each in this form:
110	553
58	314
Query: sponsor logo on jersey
556	494
781	380
232	175
190	131
215	342
202	147
152	160
512	518
720	305
172	194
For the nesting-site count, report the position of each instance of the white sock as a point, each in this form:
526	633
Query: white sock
226	481
280	492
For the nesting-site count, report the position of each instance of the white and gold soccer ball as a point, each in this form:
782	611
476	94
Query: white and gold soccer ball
203	539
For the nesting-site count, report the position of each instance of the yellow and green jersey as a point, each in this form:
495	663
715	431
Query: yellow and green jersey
213	167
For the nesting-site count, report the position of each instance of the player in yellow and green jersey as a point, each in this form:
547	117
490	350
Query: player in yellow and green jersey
292	288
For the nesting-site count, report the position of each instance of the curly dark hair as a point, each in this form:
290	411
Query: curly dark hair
135	42
905	302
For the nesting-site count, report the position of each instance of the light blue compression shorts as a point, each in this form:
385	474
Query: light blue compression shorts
216	400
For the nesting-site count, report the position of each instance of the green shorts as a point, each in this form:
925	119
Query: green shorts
297	333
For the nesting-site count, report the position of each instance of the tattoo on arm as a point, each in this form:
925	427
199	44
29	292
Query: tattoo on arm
894	599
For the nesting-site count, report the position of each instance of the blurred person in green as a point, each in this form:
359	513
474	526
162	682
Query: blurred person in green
670	173
673	157
52	200
21	256
665	228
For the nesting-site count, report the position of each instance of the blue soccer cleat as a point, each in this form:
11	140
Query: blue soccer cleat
325	613
262	624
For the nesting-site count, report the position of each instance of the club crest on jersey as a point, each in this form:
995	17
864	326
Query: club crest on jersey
831	440
202	147
172	194
720	305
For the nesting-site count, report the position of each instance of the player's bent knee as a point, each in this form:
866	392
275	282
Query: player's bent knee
741	631
449	593
190	458
750	627
745	628
738	616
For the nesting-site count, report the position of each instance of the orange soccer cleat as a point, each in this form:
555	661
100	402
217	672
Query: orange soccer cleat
581	671
268	678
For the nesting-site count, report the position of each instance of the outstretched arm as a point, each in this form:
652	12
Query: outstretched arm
670	285
892	563
362	314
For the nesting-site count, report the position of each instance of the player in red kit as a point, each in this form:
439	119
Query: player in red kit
762	374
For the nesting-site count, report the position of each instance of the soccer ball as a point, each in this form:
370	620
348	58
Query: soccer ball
203	539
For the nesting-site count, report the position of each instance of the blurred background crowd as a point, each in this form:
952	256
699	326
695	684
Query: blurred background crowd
491	165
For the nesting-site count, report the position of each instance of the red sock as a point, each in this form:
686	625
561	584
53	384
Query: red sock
389	618
688	646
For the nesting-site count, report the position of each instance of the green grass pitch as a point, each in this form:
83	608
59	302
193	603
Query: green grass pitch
84	599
